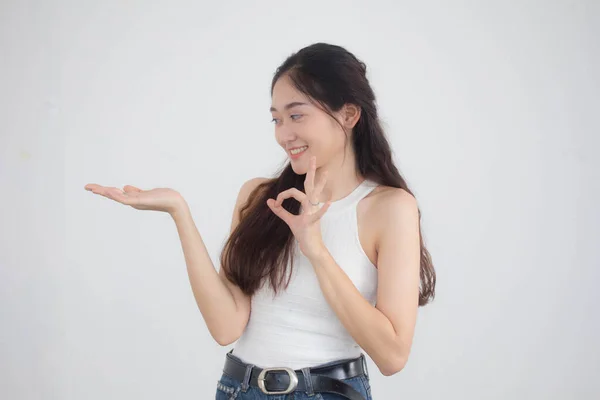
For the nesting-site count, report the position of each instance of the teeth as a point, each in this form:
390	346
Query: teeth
300	150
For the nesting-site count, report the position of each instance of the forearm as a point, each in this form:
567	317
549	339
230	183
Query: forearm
369	327
214	299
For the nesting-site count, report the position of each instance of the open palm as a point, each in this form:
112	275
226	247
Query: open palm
159	199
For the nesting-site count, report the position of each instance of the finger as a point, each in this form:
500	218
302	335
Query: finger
309	182
96	189
91	186
293	192
128	198
117	195
281	212
317	215
321	185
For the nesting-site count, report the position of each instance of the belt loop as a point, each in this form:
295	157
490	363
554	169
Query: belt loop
364	363
246	381
308	381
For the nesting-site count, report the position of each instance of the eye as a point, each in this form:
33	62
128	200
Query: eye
294	117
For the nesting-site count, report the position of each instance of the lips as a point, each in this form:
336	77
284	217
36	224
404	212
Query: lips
294	156
296	148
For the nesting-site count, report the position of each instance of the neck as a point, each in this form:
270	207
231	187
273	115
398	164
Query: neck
342	177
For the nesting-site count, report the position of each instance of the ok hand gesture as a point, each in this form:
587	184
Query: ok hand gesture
306	227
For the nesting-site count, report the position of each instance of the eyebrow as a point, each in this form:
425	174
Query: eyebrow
290	105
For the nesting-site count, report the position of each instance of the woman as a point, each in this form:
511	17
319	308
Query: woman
328	254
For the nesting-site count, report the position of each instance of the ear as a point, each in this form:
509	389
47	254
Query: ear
350	115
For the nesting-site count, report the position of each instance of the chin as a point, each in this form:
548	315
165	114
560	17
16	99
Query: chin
299	168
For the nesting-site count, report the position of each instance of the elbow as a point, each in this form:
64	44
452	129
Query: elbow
229	332
225	340
392	366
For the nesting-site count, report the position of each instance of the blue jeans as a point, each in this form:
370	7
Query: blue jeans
229	388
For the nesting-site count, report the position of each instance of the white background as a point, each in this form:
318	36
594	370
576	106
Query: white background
492	111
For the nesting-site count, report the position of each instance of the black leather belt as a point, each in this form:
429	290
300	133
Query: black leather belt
281	380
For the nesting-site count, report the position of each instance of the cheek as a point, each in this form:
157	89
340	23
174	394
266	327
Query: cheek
323	138
333	140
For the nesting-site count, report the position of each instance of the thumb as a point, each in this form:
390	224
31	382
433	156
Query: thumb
130	189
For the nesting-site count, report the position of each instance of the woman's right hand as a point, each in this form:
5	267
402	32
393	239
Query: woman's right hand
160	199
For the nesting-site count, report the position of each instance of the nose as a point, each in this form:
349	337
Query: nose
284	134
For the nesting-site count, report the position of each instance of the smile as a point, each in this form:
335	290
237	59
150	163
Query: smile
295	153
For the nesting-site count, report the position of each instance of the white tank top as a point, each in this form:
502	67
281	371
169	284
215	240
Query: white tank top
298	328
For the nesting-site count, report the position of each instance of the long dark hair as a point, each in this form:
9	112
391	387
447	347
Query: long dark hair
262	244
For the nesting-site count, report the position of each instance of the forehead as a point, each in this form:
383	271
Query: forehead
284	93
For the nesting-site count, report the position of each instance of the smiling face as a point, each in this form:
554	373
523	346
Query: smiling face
301	124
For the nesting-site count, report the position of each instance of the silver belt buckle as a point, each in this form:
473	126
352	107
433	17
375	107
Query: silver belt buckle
290	372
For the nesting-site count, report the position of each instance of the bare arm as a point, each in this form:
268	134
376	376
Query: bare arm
225	308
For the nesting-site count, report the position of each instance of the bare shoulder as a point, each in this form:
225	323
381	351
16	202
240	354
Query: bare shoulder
395	197
389	205
249	186
384	197
255	182
243	196
246	190
392	201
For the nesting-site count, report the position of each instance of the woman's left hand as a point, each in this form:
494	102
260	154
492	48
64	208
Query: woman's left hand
306	227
